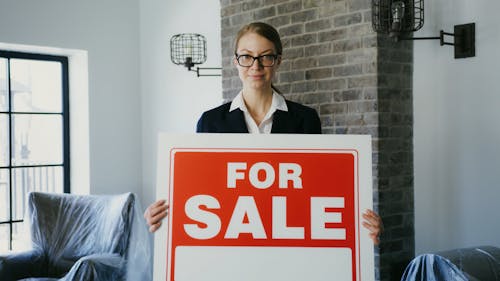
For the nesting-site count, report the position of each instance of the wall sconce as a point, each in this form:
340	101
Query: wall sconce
189	49
399	17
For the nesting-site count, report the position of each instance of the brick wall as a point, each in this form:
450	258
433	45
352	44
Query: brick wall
358	81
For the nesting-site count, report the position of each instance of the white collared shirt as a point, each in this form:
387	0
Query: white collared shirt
278	103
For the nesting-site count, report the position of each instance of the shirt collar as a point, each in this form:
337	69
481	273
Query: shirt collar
278	103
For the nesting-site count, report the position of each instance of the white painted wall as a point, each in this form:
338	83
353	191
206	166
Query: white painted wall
456	134
134	91
109	32
173	98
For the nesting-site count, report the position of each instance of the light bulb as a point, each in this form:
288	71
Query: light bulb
398	11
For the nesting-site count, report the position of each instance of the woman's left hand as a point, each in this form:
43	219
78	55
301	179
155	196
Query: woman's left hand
374	224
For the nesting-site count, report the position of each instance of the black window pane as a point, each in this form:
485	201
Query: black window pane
19	236
37	139
4	86
36	86
25	180
4	140
4	237
4	195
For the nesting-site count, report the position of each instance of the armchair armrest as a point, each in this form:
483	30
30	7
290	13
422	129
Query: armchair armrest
23	264
477	263
464	264
98	267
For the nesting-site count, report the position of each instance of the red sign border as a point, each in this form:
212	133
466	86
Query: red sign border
355	153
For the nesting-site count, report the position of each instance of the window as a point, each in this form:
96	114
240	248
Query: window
34	135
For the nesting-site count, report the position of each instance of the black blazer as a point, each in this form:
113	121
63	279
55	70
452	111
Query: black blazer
299	119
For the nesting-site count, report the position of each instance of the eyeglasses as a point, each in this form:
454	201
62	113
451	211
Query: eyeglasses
248	60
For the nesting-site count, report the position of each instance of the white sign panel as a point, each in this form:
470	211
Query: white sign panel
264	207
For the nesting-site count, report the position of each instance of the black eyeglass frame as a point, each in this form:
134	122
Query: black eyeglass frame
258	58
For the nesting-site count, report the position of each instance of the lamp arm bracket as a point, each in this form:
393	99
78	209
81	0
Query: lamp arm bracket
440	38
463	40
209	69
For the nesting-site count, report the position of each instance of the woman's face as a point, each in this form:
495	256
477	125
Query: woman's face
256	76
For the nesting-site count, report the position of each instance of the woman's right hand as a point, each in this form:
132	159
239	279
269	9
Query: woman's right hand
155	213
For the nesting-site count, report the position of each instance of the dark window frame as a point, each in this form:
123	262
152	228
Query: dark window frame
66	126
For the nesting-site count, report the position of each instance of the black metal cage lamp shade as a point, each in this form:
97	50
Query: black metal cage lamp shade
188	49
395	17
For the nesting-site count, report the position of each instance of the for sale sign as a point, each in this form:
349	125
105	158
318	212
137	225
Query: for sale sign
265	207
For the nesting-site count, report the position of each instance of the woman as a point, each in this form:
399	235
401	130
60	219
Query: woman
259	108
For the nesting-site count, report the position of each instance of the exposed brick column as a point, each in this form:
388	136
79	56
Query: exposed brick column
395	154
359	82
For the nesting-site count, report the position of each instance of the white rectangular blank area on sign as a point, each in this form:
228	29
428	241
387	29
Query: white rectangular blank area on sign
193	263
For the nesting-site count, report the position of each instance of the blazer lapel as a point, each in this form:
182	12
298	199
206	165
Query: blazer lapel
282	123
235	122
